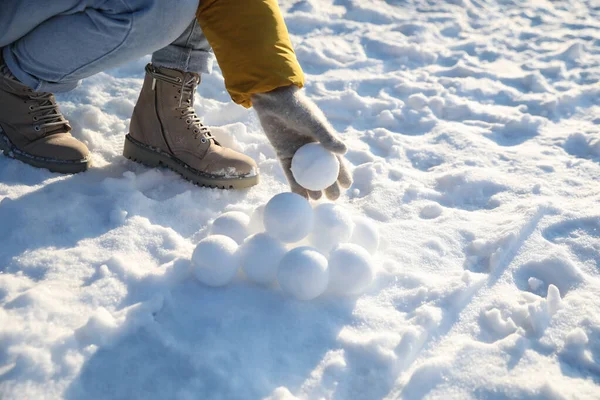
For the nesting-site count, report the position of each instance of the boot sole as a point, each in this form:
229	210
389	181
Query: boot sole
151	157
51	164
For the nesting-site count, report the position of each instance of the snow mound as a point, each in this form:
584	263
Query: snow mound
558	271
348	241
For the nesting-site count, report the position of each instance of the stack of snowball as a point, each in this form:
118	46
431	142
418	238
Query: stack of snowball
308	251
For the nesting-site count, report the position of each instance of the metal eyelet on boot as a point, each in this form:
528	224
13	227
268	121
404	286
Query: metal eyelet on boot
37	128
203	140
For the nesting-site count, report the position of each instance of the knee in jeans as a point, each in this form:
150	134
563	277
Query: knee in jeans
170	17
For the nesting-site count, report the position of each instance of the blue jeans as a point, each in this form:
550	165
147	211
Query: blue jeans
51	46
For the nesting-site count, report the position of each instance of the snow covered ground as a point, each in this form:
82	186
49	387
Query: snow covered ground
474	128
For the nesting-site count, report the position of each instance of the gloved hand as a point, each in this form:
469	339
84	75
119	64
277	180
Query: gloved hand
290	120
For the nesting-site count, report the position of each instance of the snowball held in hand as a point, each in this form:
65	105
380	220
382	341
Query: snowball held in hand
314	167
303	273
259	257
288	217
351	269
233	224
332	225
214	260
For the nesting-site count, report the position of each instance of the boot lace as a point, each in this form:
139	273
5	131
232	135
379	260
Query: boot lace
47	113
186	108
186	102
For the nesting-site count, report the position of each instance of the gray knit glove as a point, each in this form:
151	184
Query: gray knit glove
290	120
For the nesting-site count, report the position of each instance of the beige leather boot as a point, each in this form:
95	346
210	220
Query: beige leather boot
33	130
165	130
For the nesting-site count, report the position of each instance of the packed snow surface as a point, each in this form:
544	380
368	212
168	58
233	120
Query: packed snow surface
315	167
474	144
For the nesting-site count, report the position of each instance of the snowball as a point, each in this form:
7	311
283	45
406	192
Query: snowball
351	269
303	273
288	217
260	256
365	234
315	167
256	224
214	260
233	224
332	225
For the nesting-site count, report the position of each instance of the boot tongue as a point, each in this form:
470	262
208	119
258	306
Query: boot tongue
178	75
190	82
52	117
187	80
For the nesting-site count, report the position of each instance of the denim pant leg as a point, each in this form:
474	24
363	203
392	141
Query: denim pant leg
90	36
19	17
190	52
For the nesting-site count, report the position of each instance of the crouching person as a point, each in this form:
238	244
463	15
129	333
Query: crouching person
50	49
